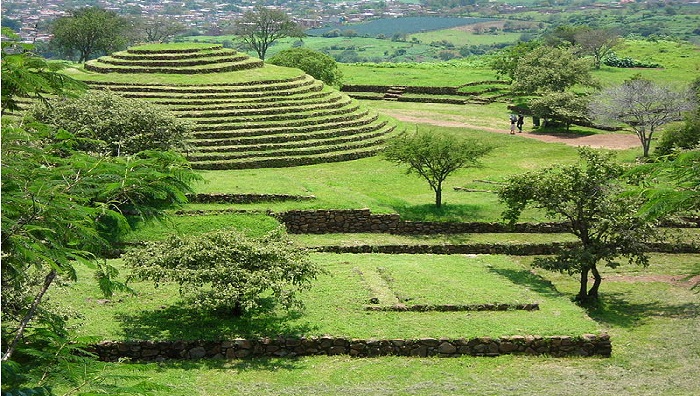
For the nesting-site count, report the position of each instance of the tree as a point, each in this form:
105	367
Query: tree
160	29
685	136
643	105
589	198
56	202
548	69
114	125
596	42
435	156
565	107
89	31
261	27
25	75
317	64
506	60
227	271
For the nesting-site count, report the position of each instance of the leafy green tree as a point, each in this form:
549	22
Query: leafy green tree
643	105
506	60
114	125
685	136
549	69
565	107
89	31
55	203
589	198
25	75
261	27
596	42
435	156
316	64
227	271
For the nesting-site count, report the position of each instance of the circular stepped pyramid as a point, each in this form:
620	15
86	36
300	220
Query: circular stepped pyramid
273	121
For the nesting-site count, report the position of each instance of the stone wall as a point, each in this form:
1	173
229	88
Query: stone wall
558	346
362	220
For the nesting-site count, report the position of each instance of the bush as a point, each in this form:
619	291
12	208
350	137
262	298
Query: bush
316	64
614	61
124	126
227	271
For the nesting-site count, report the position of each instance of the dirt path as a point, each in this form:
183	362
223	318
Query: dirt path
608	141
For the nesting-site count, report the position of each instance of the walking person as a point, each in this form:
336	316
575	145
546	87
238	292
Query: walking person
520	122
513	120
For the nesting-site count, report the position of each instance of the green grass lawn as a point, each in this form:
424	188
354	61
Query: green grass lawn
335	304
653	325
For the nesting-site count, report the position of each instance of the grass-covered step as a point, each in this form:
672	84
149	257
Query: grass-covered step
232	127
168	90
222	58
279	112
321	147
323	97
100	67
326	125
294	144
131	55
345	109
188	103
281	162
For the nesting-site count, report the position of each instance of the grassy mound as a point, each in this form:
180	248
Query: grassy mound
245	114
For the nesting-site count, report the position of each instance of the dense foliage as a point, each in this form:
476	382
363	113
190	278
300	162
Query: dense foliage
316	64
90	31
25	75
113	125
589	198
226	271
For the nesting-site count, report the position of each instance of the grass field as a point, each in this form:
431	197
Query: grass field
652	314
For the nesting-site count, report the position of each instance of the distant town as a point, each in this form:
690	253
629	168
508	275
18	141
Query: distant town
203	16
212	17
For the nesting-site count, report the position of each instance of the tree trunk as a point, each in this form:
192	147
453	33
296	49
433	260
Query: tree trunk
582	292
438	196
30	314
593	292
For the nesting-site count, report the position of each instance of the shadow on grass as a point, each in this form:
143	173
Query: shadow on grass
527	279
448	212
615	310
561	132
184	322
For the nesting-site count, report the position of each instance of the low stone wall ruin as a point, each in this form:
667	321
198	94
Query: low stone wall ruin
363	221
557	346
